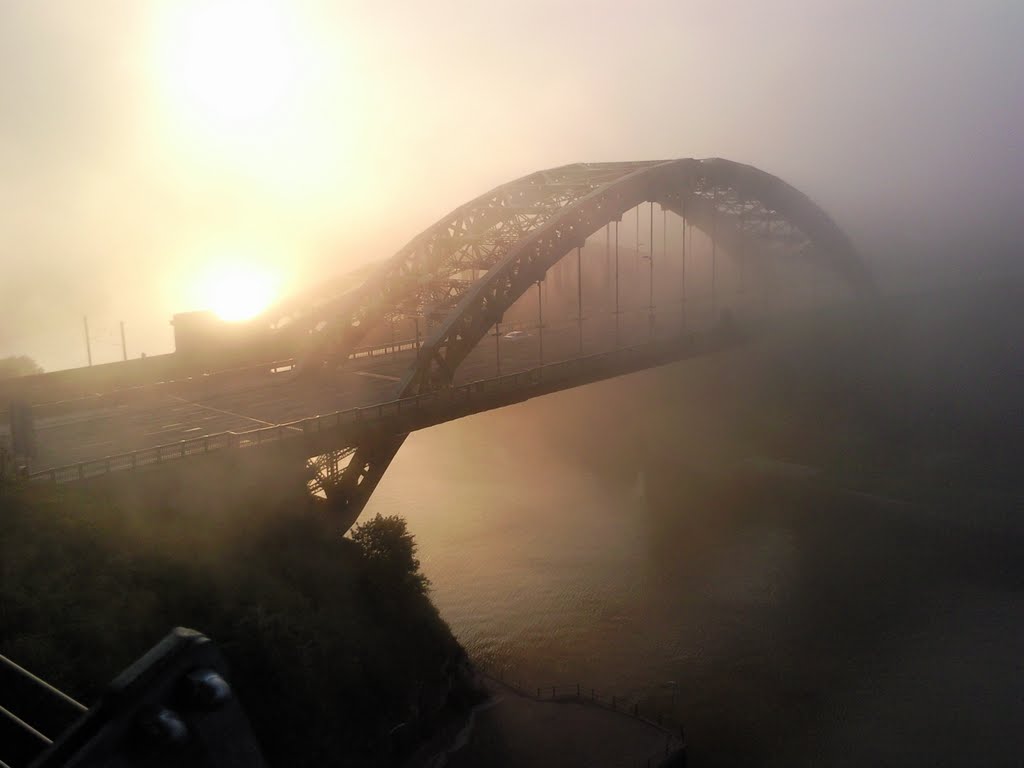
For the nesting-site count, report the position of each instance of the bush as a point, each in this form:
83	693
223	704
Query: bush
18	365
390	552
330	643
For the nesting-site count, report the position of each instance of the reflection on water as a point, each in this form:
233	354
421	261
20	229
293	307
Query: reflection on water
567	540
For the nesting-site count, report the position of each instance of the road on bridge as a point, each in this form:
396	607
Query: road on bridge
238	401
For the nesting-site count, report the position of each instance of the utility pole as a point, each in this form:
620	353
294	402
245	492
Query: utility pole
607	249
124	347
636	260
579	292
497	347
714	238
650	295
742	249
664	232
540	324
616	283
88	346
682	276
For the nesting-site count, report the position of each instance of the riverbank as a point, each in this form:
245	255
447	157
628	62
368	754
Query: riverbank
512	729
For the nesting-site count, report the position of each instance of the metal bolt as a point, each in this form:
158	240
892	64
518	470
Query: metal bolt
166	726
207	689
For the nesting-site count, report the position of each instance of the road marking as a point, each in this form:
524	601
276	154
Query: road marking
376	375
230	413
96	445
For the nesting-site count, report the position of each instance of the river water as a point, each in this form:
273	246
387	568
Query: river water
585	537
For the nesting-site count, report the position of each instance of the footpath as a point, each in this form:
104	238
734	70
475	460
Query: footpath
514	730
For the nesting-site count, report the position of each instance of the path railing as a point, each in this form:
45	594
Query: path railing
549	375
578	693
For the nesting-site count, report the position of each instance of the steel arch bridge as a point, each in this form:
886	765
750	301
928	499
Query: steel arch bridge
463	274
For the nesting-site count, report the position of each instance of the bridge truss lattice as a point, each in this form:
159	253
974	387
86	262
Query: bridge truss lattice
463	273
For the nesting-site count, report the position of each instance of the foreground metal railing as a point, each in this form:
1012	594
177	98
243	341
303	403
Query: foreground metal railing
173	707
549	375
31	712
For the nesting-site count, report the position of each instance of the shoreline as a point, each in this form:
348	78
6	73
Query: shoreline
512	728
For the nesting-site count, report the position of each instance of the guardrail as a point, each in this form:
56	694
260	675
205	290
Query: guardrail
549	374
380	350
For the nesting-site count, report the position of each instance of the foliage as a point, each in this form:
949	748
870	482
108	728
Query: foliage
18	365
390	551
329	648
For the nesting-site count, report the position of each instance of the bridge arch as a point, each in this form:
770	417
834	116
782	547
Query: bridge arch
516	232
717	196
515	229
438	266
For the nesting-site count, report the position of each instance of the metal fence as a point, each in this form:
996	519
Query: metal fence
673	730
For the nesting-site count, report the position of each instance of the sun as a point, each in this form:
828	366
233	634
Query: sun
231	68
238	292
260	93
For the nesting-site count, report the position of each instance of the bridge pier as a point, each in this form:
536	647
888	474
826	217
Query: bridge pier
347	493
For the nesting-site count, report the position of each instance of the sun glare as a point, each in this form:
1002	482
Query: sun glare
231	67
237	293
255	90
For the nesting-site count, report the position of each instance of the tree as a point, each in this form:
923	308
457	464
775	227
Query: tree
391	551
18	365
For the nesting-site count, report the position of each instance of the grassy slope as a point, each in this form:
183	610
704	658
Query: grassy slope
325	658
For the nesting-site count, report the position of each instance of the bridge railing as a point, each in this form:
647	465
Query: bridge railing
550	373
380	350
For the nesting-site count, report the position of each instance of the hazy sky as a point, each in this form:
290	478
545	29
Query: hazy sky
149	150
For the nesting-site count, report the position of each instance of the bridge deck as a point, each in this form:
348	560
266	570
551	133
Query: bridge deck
133	420
322	434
